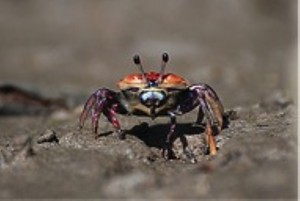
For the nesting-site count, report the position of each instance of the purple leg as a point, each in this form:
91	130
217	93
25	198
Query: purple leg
210	107
212	103
102	101
96	112
167	152
86	110
200	116
111	116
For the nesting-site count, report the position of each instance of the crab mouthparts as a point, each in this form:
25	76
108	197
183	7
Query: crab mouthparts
152	100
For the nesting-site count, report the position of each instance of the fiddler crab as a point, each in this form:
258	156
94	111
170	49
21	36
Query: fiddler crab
155	94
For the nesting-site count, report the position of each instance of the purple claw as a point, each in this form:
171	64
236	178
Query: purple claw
102	101
87	108
210	107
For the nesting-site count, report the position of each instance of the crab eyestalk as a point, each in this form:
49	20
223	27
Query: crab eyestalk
137	61
164	61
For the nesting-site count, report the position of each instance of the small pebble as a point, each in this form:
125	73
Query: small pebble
48	136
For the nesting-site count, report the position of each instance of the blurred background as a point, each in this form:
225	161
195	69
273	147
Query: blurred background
245	49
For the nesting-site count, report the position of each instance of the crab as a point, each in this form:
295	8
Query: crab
155	94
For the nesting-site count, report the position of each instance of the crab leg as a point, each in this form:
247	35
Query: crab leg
215	104
172	128
96	112
212	108
212	102
111	116
87	108
210	140
167	149
102	101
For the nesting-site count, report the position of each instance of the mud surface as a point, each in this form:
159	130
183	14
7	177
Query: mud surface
58	52
256	159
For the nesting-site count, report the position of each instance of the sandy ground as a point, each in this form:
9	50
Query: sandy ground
65	50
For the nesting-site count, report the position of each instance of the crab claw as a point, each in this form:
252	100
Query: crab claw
86	110
210	105
103	101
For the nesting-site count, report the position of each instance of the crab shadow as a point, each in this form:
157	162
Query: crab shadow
154	136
